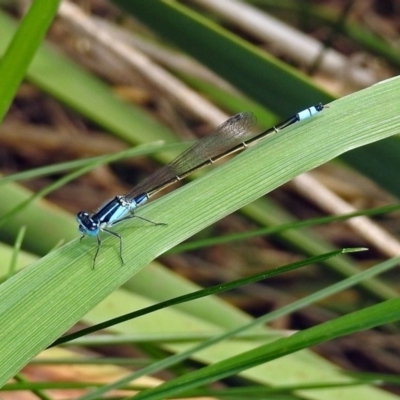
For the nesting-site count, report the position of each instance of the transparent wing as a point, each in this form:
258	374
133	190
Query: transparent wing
228	135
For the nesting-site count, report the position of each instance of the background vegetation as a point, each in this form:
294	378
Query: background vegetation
120	83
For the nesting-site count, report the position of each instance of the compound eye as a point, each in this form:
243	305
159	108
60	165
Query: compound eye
86	223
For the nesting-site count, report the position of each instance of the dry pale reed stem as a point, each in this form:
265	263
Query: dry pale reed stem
291	42
318	194
182	94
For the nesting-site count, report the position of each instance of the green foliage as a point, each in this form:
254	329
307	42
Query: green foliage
45	299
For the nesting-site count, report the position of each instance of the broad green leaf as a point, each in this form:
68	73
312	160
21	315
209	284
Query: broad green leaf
40	298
